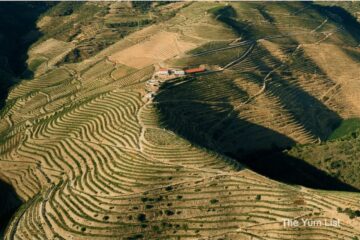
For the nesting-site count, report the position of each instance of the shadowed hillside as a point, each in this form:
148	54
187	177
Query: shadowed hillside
9	203
189	111
17	32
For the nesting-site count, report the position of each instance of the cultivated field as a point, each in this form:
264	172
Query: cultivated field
159	47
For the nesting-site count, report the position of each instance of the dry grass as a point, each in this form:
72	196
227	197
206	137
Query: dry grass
340	68
158	48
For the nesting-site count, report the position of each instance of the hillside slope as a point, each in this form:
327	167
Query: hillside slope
338	157
94	158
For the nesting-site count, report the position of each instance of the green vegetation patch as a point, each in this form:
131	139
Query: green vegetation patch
219	58
210	46
346	127
64	8
339	157
350	212
143	6
162	137
35	63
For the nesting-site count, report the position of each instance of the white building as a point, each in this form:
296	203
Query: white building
164	72
151	81
179	72
149	96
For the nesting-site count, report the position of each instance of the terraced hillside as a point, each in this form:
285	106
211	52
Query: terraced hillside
93	158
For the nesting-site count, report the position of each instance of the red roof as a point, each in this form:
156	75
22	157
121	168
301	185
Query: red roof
195	70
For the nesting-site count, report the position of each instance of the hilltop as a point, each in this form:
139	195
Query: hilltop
98	145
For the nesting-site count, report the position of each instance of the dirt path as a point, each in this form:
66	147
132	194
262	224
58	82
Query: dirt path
242	57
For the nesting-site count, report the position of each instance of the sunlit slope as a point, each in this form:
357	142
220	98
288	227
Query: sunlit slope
94	160
236	206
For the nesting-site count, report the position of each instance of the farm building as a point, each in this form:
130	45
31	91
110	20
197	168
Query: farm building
153	84
195	70
179	72
163	71
151	81
150	95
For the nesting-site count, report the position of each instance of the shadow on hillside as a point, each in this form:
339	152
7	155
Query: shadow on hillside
343	18
315	117
279	166
184	110
18	31
306	110
9	203
199	110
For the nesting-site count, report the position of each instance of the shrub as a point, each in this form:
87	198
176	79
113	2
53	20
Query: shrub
141	217
65	8
169	188
169	212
